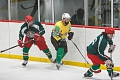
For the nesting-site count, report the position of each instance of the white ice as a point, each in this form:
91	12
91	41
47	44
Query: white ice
11	69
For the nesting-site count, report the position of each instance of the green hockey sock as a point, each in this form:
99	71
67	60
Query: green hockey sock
25	53
95	67
25	56
25	50
59	55
109	71
48	53
89	72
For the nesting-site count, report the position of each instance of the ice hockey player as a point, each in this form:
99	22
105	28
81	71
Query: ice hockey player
95	52
60	32
32	29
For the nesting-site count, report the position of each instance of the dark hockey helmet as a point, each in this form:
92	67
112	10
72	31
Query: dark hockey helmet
109	30
28	18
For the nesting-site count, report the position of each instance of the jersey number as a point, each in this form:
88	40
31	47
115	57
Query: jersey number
94	41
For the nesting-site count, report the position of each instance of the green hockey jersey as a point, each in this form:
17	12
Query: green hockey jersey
36	27
98	46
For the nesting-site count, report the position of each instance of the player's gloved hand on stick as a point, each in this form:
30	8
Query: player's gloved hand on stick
111	48
70	35
109	64
36	37
20	43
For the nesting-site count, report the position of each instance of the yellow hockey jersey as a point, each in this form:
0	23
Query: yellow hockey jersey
60	31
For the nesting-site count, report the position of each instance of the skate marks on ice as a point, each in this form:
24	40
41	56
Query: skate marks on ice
101	76
70	70
93	78
13	69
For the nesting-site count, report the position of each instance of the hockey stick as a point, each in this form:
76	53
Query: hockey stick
81	53
27	7
97	71
15	46
111	69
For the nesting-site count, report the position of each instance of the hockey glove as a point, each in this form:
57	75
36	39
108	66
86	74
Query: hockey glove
70	35
36	37
20	43
109	64
111	48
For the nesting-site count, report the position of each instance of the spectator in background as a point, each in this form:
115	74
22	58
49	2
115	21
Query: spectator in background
91	21
78	17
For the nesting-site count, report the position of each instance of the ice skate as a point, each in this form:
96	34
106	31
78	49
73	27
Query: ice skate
58	66
61	63
54	61
114	74
51	59
88	75
25	62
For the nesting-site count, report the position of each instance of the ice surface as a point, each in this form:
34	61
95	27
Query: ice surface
11	69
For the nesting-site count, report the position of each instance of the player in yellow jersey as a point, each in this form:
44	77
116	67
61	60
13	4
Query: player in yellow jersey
60	32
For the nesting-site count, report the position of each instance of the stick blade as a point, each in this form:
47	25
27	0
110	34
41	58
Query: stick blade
23	7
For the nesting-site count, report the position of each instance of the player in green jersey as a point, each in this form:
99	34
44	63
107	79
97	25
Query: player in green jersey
32	29
95	52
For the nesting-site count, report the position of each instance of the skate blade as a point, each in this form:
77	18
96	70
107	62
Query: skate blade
58	67
23	66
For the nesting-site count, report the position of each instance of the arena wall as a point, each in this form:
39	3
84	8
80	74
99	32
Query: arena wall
83	36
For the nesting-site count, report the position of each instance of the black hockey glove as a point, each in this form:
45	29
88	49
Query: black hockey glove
70	35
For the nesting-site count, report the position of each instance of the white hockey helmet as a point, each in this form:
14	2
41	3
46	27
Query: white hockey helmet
65	15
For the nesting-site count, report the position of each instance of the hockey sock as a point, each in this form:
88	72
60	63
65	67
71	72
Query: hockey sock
25	53
95	69
48	53
25	50
109	71
59	55
89	72
25	56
